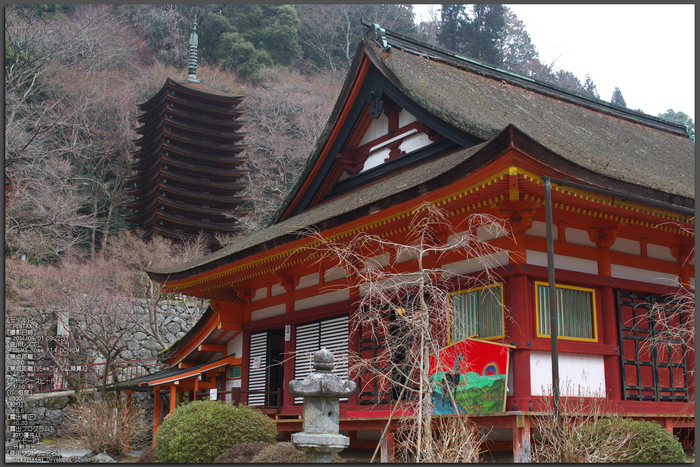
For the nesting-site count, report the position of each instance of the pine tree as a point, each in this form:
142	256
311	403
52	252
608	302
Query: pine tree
590	89
483	31
451	27
617	98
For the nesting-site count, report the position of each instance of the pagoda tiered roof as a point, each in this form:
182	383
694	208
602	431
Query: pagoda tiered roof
188	166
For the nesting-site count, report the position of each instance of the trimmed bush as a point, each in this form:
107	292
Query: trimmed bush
647	442
654	443
201	431
286	453
241	453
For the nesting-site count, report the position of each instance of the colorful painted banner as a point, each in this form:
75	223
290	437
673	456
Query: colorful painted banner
475	372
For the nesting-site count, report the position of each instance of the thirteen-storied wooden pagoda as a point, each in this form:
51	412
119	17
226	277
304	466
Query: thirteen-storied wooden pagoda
188	169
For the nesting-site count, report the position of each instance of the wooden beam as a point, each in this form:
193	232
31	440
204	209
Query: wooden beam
212	348
185	365
229	326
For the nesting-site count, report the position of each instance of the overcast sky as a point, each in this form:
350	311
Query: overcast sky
646	50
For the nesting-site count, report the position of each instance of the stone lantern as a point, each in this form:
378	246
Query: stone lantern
321	391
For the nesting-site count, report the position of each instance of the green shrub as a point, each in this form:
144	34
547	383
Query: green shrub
656	444
241	453
647	442
201	431
285	453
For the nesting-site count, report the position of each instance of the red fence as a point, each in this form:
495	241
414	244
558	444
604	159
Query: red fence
88	376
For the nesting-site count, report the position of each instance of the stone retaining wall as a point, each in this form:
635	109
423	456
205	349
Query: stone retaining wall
48	410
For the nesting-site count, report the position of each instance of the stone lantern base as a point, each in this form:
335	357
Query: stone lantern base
319	447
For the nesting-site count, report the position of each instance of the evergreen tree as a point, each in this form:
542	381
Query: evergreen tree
476	35
518	53
589	88
483	31
617	98
682	118
451	26
245	37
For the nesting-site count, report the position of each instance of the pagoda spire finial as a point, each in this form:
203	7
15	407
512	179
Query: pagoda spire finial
192	62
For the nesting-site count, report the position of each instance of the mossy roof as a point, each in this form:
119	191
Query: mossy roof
619	144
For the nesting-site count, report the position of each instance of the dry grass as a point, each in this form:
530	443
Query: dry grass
105	425
454	439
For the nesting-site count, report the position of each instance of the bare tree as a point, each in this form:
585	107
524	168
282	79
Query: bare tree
91	299
136	256
98	301
286	114
417	298
329	33
66	127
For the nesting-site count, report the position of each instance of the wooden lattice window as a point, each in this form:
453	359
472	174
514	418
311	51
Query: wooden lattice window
576	314
477	311
329	333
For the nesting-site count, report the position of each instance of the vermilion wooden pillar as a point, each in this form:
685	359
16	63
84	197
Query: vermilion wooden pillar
613	385
245	367
173	397
156	411
521	325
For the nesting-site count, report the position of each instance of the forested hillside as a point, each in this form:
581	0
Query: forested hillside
74	74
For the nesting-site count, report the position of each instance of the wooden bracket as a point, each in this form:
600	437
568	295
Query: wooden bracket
604	237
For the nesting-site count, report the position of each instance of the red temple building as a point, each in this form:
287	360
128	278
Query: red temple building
416	124
189	168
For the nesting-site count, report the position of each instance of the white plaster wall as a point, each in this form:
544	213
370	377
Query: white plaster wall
323	299
568	263
235	346
579	374
377	128
334	274
660	252
539	229
414	142
260	294
625	245
579	237
406	255
308	281
277	289
405	117
489	232
376	158
268	312
378	261
643	275
473	265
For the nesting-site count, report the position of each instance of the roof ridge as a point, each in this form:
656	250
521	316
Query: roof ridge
395	39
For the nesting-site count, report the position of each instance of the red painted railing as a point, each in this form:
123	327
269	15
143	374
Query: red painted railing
87	376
